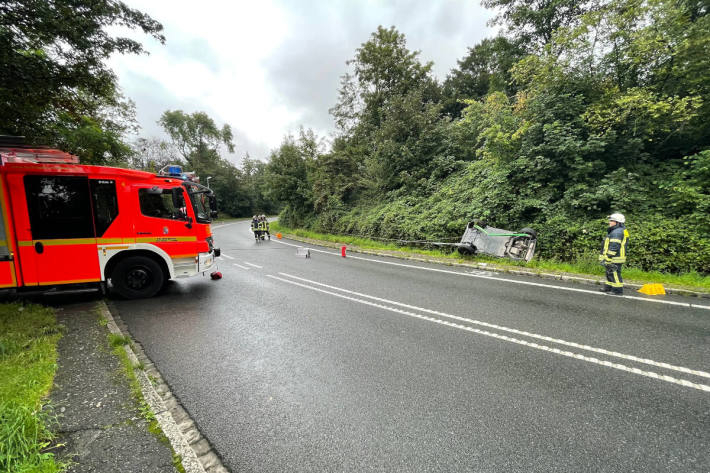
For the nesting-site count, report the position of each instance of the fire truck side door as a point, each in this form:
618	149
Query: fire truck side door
166	221
63	245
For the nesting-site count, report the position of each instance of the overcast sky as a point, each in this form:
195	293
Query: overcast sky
268	67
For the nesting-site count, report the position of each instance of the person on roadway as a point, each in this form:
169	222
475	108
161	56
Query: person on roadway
613	254
265	224
255	226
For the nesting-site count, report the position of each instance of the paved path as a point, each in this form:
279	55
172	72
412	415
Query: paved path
99	422
378	364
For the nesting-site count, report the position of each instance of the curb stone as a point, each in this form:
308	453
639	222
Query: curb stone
196	453
491	267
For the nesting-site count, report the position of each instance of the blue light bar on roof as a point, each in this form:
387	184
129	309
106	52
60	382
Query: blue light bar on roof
175	171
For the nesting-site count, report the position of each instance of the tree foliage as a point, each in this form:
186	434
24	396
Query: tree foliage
199	143
580	109
55	87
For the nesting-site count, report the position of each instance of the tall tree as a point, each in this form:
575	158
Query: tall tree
534	22
54	83
153	154
388	103
197	137
485	69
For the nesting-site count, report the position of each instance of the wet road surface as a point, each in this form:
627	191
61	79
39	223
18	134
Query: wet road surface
377	364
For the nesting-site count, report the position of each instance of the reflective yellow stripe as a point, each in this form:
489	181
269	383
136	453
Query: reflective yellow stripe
165	239
94	241
622	254
68	241
109	241
615	240
183	256
3	242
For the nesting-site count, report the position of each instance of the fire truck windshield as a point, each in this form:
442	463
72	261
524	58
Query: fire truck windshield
202	200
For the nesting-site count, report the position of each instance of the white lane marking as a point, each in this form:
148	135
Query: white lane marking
227	256
254	265
240	266
514	281
502	328
589	359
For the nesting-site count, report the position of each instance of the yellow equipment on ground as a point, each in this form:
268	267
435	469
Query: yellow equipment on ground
652	289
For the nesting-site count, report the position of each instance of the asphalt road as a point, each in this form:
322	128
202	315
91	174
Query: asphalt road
374	364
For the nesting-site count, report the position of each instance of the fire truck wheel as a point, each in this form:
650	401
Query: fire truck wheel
137	277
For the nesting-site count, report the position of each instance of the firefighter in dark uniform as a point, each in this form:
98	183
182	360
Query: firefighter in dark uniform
613	254
255	226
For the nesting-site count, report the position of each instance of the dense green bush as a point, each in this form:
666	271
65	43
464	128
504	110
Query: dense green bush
604	108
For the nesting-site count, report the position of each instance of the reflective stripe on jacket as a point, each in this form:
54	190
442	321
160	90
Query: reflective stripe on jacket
616	245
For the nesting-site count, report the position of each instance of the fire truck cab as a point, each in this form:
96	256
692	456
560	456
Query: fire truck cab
130	231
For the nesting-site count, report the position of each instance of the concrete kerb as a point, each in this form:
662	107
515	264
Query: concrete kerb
186	440
490	267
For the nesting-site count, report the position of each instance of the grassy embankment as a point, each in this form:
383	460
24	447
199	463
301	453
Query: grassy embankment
586	267
28	360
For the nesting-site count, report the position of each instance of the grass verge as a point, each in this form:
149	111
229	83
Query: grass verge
586	266
28	361
117	344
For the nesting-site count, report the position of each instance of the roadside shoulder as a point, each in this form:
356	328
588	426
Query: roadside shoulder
499	268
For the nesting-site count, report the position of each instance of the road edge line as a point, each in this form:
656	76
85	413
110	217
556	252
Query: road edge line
493	277
485	267
178	438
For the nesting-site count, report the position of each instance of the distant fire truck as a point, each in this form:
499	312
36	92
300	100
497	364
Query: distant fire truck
68	224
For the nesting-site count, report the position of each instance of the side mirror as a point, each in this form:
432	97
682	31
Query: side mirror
213	214
189	222
178	199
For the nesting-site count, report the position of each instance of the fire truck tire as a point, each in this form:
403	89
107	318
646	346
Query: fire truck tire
137	277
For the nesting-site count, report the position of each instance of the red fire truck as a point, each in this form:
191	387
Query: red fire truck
130	231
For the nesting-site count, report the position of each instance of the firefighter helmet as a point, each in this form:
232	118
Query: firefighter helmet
617	217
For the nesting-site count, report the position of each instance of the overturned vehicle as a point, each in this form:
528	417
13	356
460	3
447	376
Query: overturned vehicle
479	237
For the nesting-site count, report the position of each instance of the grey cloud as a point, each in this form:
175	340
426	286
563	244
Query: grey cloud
197	49
305	70
152	100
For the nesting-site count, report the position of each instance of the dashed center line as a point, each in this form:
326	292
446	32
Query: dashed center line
468	328
227	256
253	265
240	266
